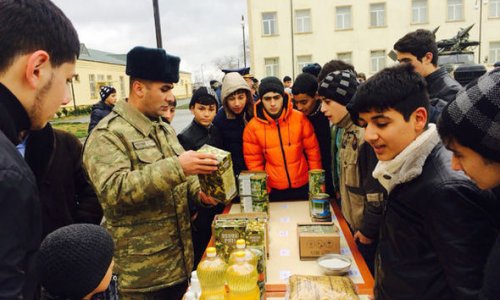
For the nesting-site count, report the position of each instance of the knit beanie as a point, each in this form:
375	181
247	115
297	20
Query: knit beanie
74	259
339	86
473	117
271	84
312	69
106	91
205	96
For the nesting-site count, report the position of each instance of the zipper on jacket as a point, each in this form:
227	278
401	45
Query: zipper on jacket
284	158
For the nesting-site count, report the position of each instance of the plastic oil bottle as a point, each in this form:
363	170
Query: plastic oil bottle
242	279
211	274
250	257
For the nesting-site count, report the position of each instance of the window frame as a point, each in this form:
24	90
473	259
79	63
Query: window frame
455	5
418	9
497	9
384	16
300	64
275	66
491	61
303	21
272	23
379	58
349	7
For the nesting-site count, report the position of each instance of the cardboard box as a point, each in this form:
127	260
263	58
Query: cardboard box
248	203
219	184
244	188
317	239
227	228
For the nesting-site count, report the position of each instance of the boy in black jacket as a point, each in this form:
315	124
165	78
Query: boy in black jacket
201	131
469	127
436	231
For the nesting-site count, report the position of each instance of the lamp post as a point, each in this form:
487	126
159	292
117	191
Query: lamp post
244	45
157	24
479	4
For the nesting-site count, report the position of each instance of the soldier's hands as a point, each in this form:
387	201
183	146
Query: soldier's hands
362	238
194	163
207	199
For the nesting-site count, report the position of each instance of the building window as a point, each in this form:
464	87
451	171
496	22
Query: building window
269	23
303	21
494	9
377	59
343	17
455	10
377	14
419	11
92	86
122	86
272	66
494	52
302	61
109	79
345	57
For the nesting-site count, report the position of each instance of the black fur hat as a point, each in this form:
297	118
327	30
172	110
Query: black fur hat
152	64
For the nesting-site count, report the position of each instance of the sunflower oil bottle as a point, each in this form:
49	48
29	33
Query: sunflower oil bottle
250	257
242	278
211	274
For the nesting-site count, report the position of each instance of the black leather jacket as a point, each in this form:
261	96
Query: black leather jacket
435	236
196	135
441	85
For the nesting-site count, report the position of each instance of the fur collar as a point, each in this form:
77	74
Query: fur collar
408	164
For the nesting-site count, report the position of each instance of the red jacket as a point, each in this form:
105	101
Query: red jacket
286	148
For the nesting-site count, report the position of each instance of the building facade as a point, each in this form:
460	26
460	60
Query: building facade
95	69
285	35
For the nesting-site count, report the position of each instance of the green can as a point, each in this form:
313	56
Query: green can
258	186
316	182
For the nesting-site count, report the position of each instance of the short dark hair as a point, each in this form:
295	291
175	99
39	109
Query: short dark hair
305	83
418	43
287	78
332	66
31	25
204	96
398	87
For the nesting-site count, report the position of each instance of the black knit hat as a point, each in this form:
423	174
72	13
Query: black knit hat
473	117
73	260
271	84
106	91
152	64
205	96
312	69
339	86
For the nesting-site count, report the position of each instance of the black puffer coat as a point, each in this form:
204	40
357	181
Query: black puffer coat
196	135
435	237
440	85
99	111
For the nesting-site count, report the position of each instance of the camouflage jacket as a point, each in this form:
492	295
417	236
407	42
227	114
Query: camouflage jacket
133	165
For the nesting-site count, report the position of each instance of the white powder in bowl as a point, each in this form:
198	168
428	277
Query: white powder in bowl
334	263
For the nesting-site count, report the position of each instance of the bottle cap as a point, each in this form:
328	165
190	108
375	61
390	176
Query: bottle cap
240	244
211	252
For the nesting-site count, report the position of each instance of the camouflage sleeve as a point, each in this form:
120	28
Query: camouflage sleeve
110	170
193	190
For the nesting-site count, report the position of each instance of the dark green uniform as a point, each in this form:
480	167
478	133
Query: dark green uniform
134	167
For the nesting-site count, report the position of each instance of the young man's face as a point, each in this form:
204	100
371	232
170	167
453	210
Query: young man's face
204	114
486	174
155	102
273	104
304	103
170	112
111	99
421	67
236	102
388	132
51	95
333	110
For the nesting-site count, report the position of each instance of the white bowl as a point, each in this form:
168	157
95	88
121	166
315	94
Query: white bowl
334	264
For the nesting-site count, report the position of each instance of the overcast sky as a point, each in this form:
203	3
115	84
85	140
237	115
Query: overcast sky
198	31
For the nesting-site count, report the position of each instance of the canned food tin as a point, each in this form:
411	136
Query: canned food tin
320	206
316	182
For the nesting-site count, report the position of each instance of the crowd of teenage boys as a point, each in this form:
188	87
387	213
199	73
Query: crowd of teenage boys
411	157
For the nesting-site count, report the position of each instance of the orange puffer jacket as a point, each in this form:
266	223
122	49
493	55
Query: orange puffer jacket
286	148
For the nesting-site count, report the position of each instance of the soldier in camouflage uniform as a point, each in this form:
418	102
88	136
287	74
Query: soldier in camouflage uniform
144	180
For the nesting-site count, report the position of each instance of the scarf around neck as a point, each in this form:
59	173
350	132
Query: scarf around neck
408	164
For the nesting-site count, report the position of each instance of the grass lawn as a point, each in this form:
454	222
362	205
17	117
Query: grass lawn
78	129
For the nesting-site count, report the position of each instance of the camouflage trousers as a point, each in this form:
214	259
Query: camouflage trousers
175	292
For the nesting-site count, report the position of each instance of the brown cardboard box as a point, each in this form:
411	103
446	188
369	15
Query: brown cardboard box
317	239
